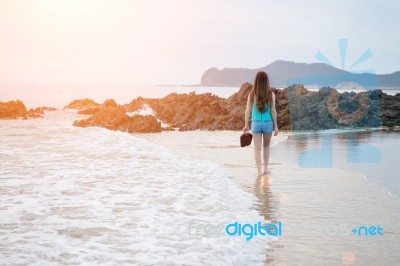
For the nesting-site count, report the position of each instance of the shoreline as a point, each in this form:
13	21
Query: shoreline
320	200
317	207
99	196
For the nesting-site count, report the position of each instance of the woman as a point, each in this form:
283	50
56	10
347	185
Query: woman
261	104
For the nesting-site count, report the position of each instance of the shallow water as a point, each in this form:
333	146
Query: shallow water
318	207
371	152
93	196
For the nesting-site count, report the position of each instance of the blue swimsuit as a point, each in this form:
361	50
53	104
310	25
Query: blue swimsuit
261	122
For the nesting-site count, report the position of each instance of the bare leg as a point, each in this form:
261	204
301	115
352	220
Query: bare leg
257	151
266	143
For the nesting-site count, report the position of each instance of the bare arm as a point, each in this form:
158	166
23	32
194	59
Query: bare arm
274	115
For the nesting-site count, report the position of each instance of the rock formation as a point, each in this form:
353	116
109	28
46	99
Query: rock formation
390	109
297	109
112	116
12	109
17	109
188	111
82	104
328	109
207	111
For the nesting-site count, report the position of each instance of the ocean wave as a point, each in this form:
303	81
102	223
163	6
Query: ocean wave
73	195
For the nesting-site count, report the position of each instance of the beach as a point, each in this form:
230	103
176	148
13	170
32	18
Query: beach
121	121
95	196
318	207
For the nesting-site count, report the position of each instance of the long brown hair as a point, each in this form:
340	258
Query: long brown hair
262	91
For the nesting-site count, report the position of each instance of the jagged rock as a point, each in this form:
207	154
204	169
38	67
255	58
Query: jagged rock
90	110
282	109
328	109
300	109
184	111
390	109
110	103
42	109
82	104
114	117
35	113
13	109
89	107
17	109
297	109
207	111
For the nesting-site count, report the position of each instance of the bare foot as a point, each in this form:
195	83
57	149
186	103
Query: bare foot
266	172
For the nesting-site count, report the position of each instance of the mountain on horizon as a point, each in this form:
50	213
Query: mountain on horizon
286	73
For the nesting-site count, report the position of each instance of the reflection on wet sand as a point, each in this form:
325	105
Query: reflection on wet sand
371	152
308	140
312	204
266	205
318	208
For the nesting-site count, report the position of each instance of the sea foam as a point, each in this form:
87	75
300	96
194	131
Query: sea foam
93	196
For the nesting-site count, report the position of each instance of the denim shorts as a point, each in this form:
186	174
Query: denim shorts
259	127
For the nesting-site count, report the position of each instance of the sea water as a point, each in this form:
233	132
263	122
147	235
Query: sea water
372	152
317	207
74	195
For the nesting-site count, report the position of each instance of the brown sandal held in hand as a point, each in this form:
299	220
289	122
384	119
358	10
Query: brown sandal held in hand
245	139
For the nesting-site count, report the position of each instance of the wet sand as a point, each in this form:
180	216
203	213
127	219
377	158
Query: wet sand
318	208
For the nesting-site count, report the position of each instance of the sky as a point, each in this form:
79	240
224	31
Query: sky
175	41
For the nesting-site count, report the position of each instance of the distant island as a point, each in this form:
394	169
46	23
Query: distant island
286	73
